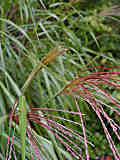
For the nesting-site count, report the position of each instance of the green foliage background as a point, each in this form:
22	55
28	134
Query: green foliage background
28	31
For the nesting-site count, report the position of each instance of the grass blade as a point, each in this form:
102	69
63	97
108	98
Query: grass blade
23	124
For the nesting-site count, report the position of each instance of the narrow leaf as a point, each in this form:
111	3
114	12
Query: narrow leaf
23	124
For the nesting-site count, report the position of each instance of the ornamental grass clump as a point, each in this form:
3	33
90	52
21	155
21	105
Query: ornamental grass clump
89	89
93	89
48	110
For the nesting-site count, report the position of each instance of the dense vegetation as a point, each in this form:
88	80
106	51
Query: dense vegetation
59	79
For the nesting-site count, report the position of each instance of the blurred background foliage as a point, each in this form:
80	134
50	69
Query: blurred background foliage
29	29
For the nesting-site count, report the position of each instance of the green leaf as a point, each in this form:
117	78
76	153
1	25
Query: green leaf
23	124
